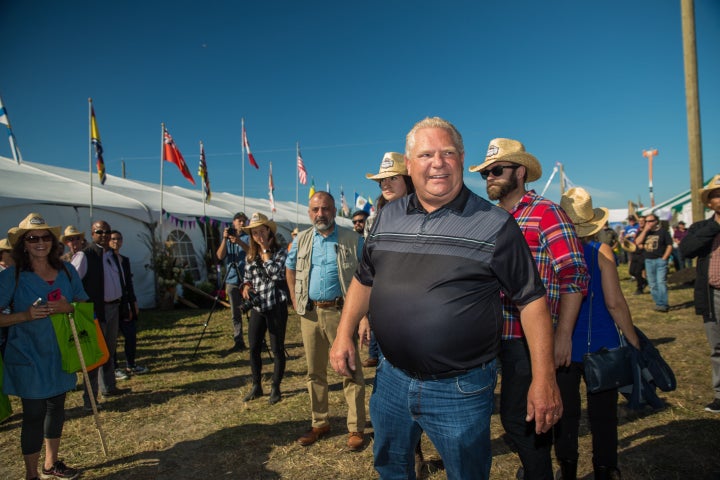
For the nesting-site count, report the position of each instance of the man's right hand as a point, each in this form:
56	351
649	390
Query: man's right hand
342	356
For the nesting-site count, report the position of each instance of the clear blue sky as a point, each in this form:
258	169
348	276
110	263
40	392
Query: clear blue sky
586	83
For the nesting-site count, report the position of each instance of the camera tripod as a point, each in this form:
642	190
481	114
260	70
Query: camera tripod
231	265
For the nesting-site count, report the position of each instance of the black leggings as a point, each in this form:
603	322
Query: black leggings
275	322
602	414
41	418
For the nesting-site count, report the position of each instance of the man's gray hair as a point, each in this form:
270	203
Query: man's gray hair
434	122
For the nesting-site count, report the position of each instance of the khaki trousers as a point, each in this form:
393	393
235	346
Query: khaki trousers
319	328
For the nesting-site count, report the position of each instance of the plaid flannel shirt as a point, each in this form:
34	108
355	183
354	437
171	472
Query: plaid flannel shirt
558	254
264	277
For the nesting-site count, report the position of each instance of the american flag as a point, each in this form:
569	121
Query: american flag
302	173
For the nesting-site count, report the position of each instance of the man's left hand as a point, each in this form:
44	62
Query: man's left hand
563	350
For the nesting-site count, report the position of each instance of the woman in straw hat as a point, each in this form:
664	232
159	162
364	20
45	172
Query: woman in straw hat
264	289
38	285
606	306
393	180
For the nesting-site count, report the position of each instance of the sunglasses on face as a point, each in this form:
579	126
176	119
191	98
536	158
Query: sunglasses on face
497	170
355	222
102	232
36	239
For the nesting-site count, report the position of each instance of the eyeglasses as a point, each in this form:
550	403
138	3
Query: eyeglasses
497	170
102	232
355	222
34	239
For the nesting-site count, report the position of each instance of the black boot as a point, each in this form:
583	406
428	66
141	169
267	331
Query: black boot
568	470
274	395
607	473
255	392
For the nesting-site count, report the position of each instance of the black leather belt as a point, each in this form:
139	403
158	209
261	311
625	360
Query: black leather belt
113	301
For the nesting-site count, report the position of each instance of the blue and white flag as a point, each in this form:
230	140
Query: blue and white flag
5	120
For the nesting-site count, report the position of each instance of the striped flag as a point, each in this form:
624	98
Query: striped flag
95	140
203	173
271	189
302	173
251	158
173	155
5	120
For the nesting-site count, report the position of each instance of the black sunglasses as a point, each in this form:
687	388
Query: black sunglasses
358	221
497	170
34	239
102	232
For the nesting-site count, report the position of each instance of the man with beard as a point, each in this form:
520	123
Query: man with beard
559	257
319	268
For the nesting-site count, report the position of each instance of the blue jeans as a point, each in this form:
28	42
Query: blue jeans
656	272
454	412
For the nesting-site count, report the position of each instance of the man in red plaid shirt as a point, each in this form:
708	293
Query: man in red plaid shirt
559	257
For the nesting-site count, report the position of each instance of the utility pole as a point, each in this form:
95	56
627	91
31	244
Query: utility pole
692	106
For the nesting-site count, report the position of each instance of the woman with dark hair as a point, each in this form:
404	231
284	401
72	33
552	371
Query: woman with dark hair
264	289
603	311
393	180
38	285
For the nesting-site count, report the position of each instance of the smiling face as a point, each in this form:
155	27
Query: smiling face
435	164
74	243
101	233
39	243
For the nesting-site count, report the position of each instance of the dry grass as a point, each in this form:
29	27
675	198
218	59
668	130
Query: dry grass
186	419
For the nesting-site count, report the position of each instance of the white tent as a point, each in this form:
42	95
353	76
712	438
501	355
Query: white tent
62	196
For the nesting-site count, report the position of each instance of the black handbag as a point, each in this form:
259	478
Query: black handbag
607	368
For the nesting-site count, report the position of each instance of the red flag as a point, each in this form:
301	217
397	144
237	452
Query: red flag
172	154
302	173
251	159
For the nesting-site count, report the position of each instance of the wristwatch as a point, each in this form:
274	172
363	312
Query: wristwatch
266	251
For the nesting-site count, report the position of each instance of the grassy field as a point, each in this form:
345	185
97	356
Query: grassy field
186	418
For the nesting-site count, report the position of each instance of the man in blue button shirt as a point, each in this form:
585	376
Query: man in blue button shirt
233	249
319	269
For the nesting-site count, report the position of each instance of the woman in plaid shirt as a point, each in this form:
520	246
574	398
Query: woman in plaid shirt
264	290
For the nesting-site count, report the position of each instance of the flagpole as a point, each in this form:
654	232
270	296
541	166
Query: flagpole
242	158
162	143
90	156
297	184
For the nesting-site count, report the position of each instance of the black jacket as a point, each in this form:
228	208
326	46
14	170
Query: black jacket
94	279
698	243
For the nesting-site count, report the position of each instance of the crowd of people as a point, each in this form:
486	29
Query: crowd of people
449	290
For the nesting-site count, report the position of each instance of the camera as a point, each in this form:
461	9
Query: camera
232	232
253	301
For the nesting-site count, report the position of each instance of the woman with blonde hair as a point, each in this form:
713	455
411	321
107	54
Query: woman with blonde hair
603	312
38	285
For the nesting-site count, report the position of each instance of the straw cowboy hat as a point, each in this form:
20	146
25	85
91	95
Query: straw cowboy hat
577	203
5	245
509	150
34	221
628	245
258	219
712	186
392	164
71	231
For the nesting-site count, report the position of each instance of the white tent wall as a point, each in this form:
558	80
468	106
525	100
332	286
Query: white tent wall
62	195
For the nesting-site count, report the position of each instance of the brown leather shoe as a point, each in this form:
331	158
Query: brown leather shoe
355	440
370	362
312	435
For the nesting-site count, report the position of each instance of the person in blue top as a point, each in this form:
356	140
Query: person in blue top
38	285
603	311
233	250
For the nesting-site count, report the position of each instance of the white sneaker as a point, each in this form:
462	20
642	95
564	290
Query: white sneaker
121	375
